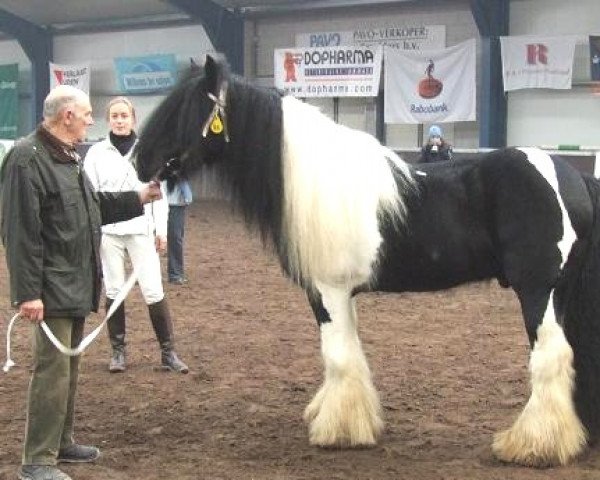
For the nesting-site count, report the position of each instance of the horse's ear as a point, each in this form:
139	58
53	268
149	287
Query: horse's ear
212	71
194	67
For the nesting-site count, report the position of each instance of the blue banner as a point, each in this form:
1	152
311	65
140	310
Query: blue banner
595	58
151	73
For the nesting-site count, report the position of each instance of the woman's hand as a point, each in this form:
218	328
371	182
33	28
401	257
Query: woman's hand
161	243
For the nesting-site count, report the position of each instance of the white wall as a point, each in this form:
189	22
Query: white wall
556	117
265	35
100	49
535	117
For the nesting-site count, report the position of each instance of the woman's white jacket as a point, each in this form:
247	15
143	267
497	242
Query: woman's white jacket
109	171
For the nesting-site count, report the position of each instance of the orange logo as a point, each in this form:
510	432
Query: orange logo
430	87
289	64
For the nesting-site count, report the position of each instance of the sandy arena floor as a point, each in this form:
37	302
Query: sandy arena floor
451	369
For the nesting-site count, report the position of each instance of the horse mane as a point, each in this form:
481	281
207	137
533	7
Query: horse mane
251	172
248	170
310	186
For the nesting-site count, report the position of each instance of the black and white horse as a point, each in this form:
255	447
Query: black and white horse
345	215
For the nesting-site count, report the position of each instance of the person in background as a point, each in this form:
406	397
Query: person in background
50	229
436	149
179	197
110	167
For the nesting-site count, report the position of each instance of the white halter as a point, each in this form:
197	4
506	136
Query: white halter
218	110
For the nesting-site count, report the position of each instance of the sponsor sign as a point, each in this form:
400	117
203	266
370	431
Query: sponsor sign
5	146
328	72
415	37
537	62
595	58
9	100
75	75
150	73
430	86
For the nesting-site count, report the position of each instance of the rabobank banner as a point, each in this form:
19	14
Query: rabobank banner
430	86
150	73
351	71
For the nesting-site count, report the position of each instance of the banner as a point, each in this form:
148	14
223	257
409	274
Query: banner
430	86
537	62
5	146
9	100
413	37
151	73
74	75
595	58
328	72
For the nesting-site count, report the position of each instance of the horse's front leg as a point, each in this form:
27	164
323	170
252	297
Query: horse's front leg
346	409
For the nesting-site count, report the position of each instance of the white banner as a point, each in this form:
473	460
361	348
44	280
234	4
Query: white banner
74	75
537	62
430	86
328	72
411	37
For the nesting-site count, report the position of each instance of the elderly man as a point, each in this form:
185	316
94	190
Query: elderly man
50	228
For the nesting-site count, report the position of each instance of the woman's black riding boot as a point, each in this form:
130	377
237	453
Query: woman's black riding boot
163	327
116	335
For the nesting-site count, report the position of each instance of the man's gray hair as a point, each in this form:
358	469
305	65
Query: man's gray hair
61	97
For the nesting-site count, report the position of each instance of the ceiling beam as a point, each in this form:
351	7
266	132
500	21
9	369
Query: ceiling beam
492	19
37	43
225	28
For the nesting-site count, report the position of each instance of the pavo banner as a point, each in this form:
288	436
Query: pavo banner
9	100
430	85
75	75
595	58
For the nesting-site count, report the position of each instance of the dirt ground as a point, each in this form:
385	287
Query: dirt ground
451	369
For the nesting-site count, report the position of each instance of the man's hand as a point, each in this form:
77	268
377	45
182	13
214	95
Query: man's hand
161	243
32	310
150	192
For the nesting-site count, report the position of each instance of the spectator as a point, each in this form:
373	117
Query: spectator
51	232
110	167
436	149
179	198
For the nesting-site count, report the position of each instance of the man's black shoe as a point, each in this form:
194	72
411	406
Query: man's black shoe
41	472
78	454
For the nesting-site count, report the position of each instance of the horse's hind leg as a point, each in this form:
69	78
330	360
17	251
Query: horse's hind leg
548	430
346	409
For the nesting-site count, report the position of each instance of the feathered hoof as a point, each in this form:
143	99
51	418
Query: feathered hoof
527	449
344	414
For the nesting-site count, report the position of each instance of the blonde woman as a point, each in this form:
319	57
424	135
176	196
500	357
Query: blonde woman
110	167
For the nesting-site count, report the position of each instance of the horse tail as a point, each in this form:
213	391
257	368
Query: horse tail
582	322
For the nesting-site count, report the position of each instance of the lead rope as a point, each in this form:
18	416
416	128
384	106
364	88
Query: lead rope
125	289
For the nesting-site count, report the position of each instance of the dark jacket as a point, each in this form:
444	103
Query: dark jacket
443	152
50	225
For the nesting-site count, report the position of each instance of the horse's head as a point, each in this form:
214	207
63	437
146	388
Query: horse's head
189	128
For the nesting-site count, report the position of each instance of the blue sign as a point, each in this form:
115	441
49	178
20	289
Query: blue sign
151	73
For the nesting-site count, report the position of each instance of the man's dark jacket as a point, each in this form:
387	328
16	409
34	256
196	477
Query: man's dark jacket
50	226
